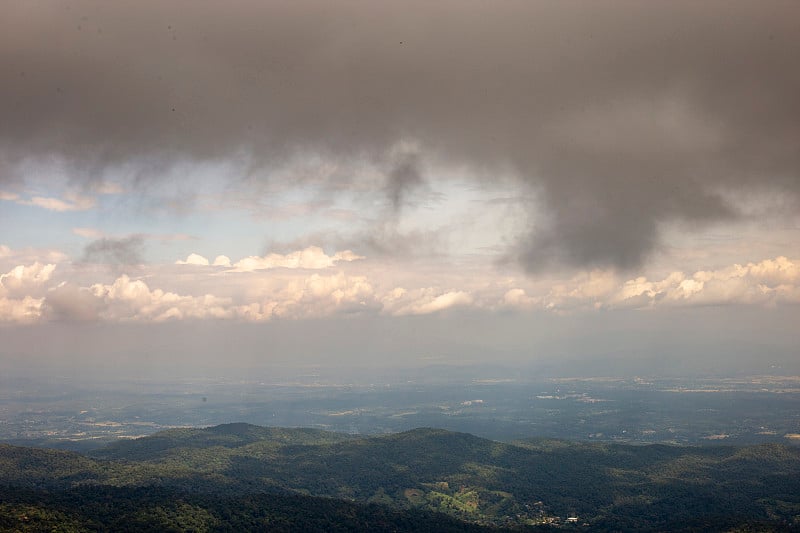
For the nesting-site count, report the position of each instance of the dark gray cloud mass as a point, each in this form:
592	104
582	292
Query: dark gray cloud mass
620	115
122	252
404	176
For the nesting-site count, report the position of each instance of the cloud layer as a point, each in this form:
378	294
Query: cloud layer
769	282
291	289
619	116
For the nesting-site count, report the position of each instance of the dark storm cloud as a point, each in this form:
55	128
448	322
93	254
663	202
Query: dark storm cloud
123	252
620	115
405	175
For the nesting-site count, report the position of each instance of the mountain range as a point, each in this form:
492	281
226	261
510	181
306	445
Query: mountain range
244	477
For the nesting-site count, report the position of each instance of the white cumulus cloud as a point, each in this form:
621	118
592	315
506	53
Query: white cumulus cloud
18	288
22	310
319	296
129	299
424	301
767	282
23	280
194	259
312	258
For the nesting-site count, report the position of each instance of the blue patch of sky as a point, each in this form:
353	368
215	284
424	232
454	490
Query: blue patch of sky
29	226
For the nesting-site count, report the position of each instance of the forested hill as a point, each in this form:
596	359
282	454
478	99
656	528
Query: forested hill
226	470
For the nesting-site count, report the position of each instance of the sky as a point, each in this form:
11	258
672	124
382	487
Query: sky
197	186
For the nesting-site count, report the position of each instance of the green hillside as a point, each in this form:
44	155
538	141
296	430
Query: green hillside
103	508
535	483
236	435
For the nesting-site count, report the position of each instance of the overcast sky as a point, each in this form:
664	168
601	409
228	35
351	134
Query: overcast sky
403	182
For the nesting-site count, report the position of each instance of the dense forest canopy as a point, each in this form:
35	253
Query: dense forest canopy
216	476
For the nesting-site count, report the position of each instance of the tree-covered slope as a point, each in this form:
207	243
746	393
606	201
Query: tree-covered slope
226	435
478	480
103	508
